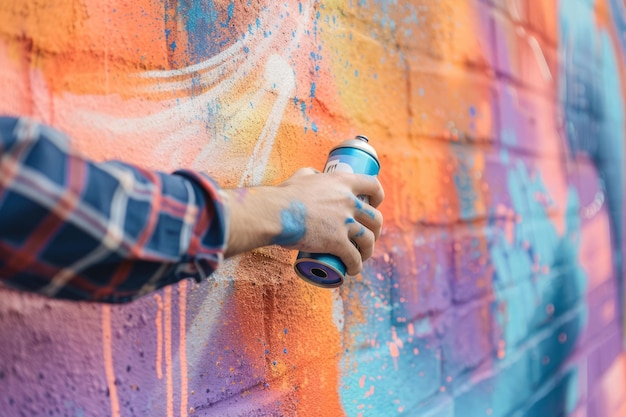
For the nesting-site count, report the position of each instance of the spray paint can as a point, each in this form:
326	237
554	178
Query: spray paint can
353	156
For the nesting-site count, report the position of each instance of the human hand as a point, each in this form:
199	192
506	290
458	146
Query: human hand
312	212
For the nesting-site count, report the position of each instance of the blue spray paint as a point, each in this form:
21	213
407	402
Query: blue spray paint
594	107
293	223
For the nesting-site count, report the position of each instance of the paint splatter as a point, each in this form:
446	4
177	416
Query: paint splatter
293	223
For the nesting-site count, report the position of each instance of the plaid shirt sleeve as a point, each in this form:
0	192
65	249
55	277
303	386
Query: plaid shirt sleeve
71	228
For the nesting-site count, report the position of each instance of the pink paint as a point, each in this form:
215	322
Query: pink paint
182	352
107	353
167	309
158	321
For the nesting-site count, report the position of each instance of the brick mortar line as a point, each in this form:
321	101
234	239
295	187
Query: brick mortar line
528	26
518	353
565	367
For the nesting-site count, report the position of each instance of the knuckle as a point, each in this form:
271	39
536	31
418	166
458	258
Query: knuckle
367	253
355	263
341	176
378	218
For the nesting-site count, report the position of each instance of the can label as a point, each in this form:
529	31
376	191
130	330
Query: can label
349	164
346	163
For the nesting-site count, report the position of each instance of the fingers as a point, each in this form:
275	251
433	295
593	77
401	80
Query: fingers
370	186
363	238
363	230
351	257
369	217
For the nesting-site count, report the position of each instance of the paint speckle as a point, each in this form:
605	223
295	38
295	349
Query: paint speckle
293	222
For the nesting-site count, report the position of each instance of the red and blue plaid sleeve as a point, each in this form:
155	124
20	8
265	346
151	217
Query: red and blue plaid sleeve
75	229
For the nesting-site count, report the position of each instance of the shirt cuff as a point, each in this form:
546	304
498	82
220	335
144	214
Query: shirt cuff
210	235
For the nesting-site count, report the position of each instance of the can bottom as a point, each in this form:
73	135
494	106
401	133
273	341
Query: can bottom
318	273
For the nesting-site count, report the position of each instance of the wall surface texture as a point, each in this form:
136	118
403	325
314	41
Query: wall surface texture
495	288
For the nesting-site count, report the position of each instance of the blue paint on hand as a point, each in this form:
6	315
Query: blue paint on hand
293	222
361	232
370	213
359	206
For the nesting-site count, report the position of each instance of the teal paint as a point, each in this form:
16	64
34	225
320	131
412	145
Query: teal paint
293	222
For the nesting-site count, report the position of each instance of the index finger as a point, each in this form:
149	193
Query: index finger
370	186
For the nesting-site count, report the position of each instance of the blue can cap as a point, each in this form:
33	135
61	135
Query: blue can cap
323	270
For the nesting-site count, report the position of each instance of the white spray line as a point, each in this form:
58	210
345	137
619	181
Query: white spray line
237	117
202	326
167	119
232	52
277	68
540	57
230	62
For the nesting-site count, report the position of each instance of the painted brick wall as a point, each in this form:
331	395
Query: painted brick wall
495	289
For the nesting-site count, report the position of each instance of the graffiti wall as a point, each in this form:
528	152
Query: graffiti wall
496	287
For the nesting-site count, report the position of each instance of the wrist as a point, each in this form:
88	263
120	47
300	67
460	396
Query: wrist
254	218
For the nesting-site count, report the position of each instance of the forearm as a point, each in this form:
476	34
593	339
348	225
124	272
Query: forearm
262	216
73	228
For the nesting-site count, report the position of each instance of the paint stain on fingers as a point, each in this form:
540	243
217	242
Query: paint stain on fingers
358	204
